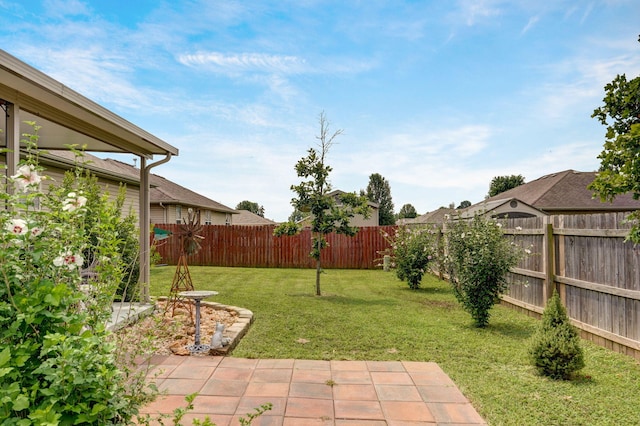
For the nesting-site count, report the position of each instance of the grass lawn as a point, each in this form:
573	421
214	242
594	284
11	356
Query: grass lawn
371	315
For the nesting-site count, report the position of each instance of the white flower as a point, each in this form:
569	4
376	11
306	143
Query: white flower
518	228
72	261
26	177
527	251
499	225
35	231
74	202
17	227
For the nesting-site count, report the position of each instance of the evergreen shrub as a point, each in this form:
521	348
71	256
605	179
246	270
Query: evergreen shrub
555	348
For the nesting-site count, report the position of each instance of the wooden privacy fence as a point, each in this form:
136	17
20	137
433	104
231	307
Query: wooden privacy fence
596	273
256	246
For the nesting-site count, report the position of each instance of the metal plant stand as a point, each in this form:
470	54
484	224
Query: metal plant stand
197	296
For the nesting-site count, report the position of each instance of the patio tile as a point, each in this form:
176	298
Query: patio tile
355	392
310	390
310	408
309	364
456	413
248	404
406	411
397	393
275	363
191	371
208	404
238	363
224	387
361	423
232	374
267	389
165	404
349	365
385	366
311	376
203	360
300	421
417	366
263	420
217	419
358	410
391	378
181	386
434	378
441	394
272	375
351	377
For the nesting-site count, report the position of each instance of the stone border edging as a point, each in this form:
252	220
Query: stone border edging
234	332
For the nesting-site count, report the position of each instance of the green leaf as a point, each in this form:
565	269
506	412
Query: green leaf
5	356
21	402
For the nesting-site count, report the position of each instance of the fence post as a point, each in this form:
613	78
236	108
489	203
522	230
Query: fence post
549	261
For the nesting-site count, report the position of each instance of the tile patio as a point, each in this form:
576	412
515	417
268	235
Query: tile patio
308	393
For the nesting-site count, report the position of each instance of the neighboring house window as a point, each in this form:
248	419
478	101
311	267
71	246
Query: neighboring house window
207	217
227	219
178	214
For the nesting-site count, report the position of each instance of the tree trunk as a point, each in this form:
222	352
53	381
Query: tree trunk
318	270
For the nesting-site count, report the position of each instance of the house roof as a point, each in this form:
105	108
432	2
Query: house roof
161	190
436	216
245	217
564	192
66	117
511	207
168	192
108	168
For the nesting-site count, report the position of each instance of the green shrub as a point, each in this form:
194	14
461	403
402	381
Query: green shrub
56	364
555	348
413	249
479	258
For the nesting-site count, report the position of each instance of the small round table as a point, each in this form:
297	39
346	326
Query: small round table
197	296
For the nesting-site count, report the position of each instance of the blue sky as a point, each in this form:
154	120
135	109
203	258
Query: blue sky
436	96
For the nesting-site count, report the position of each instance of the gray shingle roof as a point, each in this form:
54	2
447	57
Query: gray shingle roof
162	189
565	191
245	217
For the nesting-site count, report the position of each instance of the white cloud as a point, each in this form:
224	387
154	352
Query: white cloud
244	62
530	24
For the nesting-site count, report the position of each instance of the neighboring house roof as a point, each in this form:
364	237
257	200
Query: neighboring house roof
436	216
566	191
406	221
561	192
247	218
510	207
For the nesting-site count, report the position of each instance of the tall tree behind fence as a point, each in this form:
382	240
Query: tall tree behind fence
256	246
596	273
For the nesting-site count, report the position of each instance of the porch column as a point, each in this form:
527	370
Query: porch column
144	223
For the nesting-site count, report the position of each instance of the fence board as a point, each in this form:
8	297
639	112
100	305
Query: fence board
256	246
596	272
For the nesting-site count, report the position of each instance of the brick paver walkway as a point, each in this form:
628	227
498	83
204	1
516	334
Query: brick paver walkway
308	393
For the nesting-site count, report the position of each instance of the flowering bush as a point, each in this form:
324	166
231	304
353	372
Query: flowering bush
479	257
56	366
412	250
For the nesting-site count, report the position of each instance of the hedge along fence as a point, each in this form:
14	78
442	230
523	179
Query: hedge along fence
596	272
256	246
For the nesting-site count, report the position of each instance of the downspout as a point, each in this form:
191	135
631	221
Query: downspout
145	220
